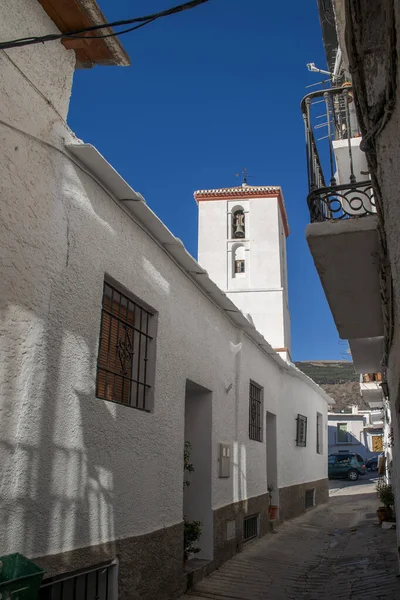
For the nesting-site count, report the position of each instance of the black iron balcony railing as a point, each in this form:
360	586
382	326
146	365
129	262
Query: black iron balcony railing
349	192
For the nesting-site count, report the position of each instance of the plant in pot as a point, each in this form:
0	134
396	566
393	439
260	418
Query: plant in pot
386	496
192	533
272	509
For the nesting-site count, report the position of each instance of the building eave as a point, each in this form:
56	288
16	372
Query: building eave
91	160
329	35
72	15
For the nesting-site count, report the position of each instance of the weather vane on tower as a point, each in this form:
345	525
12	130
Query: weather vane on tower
244	176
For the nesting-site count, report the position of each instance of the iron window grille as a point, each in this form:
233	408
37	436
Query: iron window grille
96	583
301	435
240	266
123	369
255	412
250	527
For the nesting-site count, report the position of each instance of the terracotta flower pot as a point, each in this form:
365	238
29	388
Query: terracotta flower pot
273	512
382	514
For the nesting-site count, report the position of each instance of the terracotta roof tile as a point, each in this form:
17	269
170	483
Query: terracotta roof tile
249	191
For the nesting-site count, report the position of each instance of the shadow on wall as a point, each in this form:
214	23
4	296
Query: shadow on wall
349	444
65	455
57	490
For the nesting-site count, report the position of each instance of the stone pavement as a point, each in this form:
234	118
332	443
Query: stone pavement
337	551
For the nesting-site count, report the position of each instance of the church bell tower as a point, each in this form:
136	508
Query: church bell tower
242	246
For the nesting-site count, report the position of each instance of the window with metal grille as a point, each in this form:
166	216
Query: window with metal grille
250	527
239	266
125	364
255	412
97	583
310	498
319	433
301	433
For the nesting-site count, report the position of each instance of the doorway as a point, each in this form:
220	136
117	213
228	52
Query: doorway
197	503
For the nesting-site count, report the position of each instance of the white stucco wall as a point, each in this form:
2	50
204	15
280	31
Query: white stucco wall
78	470
286	397
43	71
359	438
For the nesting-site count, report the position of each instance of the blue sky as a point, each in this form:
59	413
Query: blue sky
211	91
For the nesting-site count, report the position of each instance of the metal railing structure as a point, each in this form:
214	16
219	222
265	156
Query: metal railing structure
329	199
96	583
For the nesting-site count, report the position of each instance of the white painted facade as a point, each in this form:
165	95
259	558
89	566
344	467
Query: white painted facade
362	427
77	470
261	291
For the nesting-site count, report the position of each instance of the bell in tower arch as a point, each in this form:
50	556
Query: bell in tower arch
238	224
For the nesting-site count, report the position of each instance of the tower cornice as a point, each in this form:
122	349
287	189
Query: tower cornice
245	192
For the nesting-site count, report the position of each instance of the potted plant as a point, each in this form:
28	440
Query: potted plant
273	508
386	496
192	533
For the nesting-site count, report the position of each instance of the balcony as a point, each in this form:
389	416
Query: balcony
343	233
349	193
371	389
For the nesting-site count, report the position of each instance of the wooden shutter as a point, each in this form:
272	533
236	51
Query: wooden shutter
115	359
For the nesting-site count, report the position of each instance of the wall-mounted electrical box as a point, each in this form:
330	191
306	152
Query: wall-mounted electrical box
224	460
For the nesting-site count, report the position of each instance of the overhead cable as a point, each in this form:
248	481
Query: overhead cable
145	20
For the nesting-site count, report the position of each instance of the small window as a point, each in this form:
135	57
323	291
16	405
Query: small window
310	498
342	434
255	412
126	359
319	434
239	260
250	527
239	266
301	437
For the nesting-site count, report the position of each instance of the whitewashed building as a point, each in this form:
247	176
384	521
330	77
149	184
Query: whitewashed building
354	430
117	347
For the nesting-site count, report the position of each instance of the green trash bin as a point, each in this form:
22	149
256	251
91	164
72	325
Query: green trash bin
20	578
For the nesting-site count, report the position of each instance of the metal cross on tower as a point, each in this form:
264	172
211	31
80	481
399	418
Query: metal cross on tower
245	176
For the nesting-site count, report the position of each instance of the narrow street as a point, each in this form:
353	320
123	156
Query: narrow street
335	551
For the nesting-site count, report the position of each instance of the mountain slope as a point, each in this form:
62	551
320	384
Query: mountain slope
338	379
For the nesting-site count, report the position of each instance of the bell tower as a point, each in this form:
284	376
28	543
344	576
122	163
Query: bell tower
242	246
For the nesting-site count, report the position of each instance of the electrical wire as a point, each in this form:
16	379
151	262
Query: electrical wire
107	35
145	20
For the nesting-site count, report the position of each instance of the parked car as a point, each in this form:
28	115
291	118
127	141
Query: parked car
372	463
346	464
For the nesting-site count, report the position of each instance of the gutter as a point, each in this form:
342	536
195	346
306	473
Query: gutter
110	180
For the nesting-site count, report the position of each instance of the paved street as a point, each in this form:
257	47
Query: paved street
337	551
